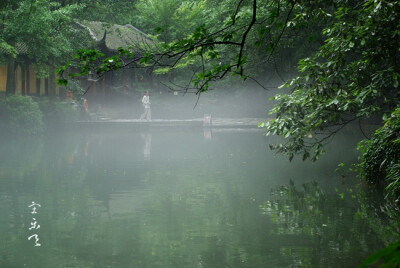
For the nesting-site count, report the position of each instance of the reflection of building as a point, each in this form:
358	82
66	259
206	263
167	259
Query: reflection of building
21	75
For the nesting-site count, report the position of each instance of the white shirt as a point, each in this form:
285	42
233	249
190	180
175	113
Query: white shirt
146	101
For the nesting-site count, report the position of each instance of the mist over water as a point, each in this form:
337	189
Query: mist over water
172	197
111	157
118	192
220	103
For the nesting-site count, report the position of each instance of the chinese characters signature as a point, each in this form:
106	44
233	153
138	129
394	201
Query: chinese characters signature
34	223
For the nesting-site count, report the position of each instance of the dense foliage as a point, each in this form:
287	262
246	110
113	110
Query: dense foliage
43	30
37	29
380	158
45	34
354	75
171	19
36	33
108	11
20	115
390	256
253	40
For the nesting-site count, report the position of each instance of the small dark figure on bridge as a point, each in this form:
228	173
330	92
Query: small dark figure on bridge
146	104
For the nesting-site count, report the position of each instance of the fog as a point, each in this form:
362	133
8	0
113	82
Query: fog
241	101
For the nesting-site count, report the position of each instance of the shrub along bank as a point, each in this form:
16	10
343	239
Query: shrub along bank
22	115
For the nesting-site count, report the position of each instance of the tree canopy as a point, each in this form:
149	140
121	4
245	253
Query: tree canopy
38	29
354	75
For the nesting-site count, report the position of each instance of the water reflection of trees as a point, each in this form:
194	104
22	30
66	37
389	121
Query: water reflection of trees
344	227
103	206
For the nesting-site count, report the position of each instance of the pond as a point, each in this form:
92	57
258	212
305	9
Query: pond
181	197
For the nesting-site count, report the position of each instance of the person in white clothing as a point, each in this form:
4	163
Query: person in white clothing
146	104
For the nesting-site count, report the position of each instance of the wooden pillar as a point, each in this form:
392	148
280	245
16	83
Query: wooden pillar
28	81
10	84
46	87
38	86
23	79
94	88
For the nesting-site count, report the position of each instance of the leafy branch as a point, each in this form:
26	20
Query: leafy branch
209	47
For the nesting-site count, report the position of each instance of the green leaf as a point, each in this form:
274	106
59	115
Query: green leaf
62	81
390	255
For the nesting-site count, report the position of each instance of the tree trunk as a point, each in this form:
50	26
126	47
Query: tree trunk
10	84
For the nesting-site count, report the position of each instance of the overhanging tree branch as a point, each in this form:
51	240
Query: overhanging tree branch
253	20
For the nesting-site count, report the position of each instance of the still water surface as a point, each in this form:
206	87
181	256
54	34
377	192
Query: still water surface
182	197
